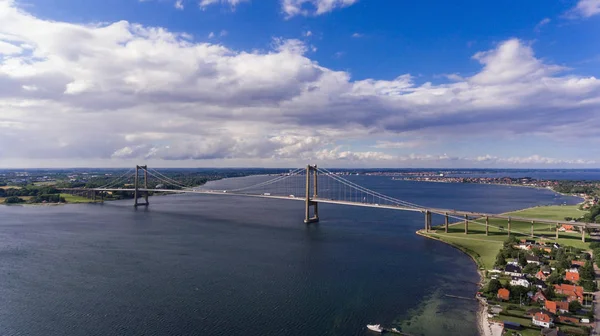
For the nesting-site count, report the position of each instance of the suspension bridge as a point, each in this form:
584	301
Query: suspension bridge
311	185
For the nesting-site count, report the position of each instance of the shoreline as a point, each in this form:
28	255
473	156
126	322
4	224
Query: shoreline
484	325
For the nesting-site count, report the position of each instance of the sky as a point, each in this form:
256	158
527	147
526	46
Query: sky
284	83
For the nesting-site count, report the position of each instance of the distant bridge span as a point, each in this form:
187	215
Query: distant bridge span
312	186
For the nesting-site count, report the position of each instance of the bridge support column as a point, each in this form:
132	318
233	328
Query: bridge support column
557	226
466	224
532	229
583	234
94	195
487	226
136	193
446	222
311	171
509	226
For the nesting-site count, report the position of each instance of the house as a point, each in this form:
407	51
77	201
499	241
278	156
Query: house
513	270
532	259
518	281
568	319
526	247
547	249
557	306
540	284
542	319
503	294
578	262
573	293
566	228
546	270
572	276
552	332
539	297
541	276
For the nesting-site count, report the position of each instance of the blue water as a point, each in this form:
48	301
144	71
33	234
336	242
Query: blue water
223	265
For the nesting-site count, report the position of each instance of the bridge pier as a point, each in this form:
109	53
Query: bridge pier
583	234
427	220
136	185
557	226
311	170
446	222
509	226
531	229
466	224
487	226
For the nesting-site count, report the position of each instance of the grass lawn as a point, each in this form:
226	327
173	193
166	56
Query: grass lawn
558	212
485	248
9	187
76	199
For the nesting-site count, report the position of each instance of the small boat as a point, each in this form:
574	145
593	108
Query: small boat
375	327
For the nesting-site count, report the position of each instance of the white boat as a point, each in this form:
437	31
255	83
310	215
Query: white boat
375	327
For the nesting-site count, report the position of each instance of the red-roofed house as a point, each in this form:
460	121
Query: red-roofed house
503	294
572	276
578	262
556	306
573	293
542	319
568	319
539	297
540	275
567	228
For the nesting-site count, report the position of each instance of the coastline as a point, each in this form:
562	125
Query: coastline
484	325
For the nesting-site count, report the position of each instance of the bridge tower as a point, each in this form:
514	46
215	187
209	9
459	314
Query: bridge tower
136	193
311	171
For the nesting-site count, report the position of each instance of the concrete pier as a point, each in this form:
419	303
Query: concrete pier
487	226
446	222
466	224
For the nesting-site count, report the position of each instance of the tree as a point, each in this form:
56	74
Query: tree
493	286
574	306
549	293
522	259
500	260
554	278
13	200
531	268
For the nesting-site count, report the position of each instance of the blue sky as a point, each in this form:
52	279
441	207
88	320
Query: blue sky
284	82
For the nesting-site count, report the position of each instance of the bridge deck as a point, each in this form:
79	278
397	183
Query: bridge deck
450	212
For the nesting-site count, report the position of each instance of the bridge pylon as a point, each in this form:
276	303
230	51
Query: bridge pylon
311	174
136	193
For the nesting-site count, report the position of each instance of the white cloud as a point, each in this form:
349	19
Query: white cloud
541	24
179	4
357	35
307	33
9	49
232	3
223	33
317	7
127	91
585	9
211	35
385	144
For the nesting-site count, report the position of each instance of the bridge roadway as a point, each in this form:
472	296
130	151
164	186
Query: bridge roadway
472	215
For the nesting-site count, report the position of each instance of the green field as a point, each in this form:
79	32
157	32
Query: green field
485	248
558	212
76	199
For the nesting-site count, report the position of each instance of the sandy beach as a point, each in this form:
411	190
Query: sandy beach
487	328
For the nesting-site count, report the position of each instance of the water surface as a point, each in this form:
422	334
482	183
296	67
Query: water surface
222	265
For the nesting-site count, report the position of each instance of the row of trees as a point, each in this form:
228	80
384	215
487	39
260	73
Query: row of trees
29	190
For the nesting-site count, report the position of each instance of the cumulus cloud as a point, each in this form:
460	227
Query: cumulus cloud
313	7
585	9
126	91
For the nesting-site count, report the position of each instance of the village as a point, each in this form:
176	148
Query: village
540	288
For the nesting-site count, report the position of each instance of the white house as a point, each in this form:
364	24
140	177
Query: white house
542	319
519	282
